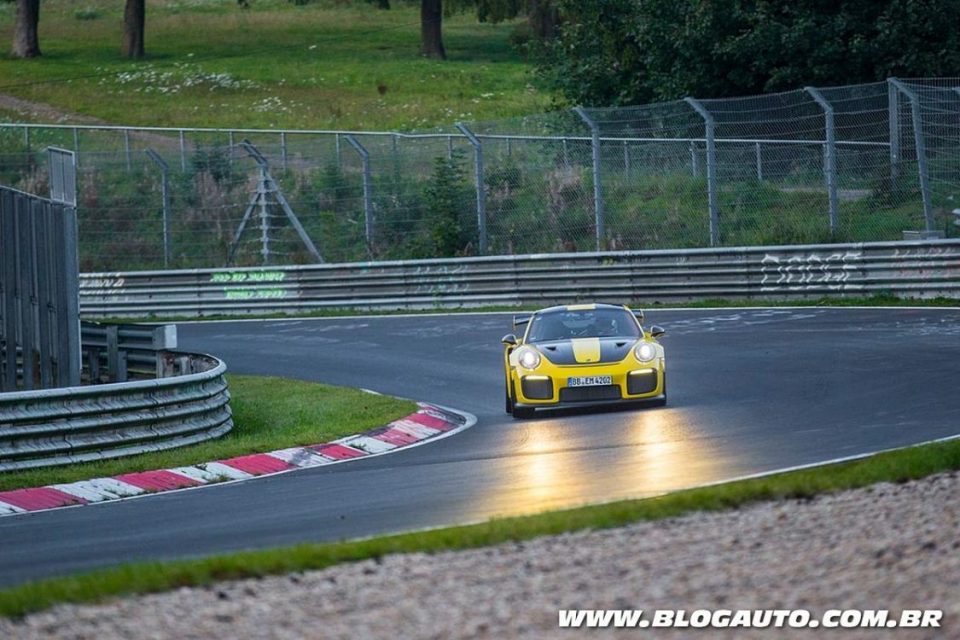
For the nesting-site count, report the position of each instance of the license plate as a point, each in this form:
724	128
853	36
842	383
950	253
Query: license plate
589	381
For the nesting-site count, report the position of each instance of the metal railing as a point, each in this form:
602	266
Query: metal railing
120	353
904	269
156	399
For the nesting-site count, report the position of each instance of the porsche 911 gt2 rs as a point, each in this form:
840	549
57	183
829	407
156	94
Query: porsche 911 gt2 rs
582	354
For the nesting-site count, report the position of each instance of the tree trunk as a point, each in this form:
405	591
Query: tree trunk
26	41
431	35
543	17
134	18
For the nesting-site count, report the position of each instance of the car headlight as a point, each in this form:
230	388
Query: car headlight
529	358
645	352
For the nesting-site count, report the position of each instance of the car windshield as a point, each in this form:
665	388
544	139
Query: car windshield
565	324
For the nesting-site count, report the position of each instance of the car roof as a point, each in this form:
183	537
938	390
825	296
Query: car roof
581	307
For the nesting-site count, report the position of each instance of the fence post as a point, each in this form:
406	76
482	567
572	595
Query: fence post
759	162
183	152
830	156
694	164
479	183
165	198
367	190
893	118
126	148
336	142
597	187
76	145
626	159
395	149
26	137
283	150
921	150
710	131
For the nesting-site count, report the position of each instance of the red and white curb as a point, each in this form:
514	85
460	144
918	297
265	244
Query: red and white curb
430	422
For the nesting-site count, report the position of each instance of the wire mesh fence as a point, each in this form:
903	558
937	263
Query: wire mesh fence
835	164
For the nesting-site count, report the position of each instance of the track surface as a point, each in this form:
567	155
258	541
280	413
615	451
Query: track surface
750	391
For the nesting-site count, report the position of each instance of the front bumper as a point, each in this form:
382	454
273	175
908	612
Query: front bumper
550	388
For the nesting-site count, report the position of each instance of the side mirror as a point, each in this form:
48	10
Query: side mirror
656	331
510	340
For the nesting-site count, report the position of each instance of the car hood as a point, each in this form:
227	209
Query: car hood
586	350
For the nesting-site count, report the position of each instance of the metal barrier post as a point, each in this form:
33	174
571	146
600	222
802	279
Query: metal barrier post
597	187
710	129
283	150
126	148
759	162
479	184
367	190
165	196
26	138
830	156
921	150
76	145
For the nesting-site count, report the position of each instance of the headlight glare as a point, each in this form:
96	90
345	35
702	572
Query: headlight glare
529	358
645	352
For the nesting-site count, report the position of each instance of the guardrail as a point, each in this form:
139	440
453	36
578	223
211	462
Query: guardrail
118	353
153	399
79	424
905	269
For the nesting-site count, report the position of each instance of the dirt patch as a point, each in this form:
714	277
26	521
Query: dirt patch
41	112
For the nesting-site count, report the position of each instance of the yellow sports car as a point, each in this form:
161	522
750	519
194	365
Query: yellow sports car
582	354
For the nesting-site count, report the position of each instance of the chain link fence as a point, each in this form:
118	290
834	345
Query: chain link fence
836	164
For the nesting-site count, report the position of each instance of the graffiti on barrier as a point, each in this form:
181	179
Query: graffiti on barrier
105	282
248	276
244	293
808	271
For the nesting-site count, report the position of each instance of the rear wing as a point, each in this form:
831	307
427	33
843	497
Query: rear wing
520	321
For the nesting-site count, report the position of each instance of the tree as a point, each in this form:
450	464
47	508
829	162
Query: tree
611	52
26	41
431	29
134	18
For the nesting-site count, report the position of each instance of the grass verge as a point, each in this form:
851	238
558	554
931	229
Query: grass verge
269	413
895	466
317	65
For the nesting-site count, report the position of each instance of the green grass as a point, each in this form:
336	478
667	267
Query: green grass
320	65
898	466
269	413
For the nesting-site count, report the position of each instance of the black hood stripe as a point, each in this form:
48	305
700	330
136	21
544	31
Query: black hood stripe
560	352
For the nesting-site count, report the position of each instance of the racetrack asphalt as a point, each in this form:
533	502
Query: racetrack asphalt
751	390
